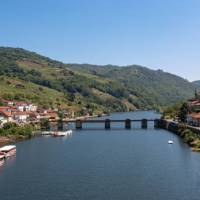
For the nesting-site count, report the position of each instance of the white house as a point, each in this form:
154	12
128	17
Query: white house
194	119
9	102
5	116
3	119
21	117
23	106
31	107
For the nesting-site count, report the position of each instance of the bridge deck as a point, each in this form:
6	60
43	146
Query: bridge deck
108	122
104	120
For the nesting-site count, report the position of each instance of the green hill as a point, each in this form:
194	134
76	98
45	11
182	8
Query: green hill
94	88
14	88
197	83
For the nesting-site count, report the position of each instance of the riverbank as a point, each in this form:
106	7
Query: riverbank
12	132
4	140
189	134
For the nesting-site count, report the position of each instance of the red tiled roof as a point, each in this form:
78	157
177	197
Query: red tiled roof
21	113
21	104
195	101
4	107
195	115
7	101
6	114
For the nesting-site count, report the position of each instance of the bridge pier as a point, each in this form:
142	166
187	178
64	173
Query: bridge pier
60	125
144	123
156	123
128	124
107	124
78	124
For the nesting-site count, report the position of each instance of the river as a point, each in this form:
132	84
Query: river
98	164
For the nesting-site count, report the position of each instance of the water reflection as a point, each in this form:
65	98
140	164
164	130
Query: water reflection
103	164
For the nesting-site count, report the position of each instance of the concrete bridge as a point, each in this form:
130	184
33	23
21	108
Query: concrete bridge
107	122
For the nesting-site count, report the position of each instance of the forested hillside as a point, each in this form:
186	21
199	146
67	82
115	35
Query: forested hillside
197	83
26	75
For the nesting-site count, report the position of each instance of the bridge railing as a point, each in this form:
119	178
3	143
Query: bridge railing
107	122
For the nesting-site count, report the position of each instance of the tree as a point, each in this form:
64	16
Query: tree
60	121
183	112
172	112
45	124
9	125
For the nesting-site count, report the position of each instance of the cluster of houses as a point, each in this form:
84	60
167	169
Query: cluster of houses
23	112
194	104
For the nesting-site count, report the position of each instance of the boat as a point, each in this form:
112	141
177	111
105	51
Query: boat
170	142
8	150
2	159
59	134
62	133
69	132
47	133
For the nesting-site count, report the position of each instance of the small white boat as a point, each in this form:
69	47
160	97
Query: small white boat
47	133
170	142
2	159
62	133
68	132
8	150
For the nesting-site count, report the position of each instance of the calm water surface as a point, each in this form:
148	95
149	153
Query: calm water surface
99	164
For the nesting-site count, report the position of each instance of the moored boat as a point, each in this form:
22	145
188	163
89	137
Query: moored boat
2	159
58	134
68	132
62	133
46	132
8	150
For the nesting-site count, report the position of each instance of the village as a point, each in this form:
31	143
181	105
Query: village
25	112
25	115
21	114
193	115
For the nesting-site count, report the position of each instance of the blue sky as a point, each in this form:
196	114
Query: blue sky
159	34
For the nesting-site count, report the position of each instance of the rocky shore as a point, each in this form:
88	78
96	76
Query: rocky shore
11	139
189	134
